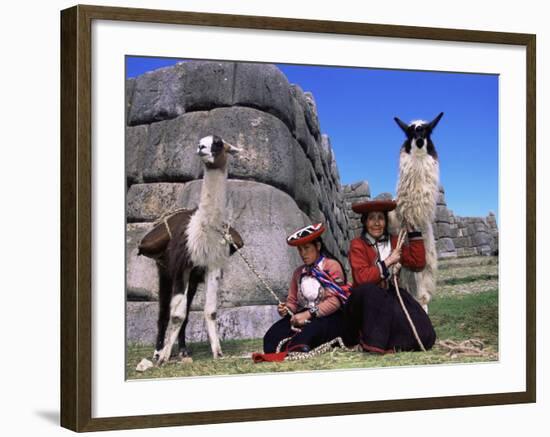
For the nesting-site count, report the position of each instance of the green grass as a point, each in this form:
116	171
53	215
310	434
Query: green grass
456	317
461	317
468	279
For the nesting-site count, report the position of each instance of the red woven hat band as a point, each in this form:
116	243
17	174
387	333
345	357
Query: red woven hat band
373	205
306	235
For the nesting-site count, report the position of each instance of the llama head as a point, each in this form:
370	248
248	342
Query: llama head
418	134
213	150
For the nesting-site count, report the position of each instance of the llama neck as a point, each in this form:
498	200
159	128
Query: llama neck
212	201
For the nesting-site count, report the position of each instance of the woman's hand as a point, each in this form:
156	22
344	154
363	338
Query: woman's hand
394	257
300	319
282	309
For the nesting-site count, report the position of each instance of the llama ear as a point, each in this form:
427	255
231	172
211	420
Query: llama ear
434	122
402	124
217	141
230	148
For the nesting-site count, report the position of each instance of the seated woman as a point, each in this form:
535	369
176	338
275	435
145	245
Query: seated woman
374	317
313	297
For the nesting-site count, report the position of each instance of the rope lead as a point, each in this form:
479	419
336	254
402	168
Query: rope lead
400	241
227	237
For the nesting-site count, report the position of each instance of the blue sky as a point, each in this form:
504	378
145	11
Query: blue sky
356	107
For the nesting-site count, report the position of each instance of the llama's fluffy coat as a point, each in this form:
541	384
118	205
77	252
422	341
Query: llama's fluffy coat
417	191
205	243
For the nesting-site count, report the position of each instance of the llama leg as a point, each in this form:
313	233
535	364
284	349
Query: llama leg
426	279
165	293
196	276
178	311
407	280
212	284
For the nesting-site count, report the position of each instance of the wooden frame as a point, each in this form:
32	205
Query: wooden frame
76	221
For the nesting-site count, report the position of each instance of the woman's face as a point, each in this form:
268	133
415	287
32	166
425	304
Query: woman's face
375	224
309	252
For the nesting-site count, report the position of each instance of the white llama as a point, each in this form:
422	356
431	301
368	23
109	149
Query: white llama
417	191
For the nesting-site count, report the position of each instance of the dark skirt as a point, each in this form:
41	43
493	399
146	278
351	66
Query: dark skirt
319	331
374	318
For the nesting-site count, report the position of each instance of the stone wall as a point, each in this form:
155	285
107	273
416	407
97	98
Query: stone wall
463	236
355	193
286	176
455	236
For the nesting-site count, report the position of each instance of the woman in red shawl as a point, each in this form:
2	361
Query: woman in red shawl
374	317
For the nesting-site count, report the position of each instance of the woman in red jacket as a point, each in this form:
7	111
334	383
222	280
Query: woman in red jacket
374	317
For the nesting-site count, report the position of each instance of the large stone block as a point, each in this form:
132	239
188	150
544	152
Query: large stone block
147	202
168	92
301	132
157	95
170	154
232	323
481	239
207	85
443	230
325	204
268	146
452	219
137	138
356	193
359	189
471	229
317	160
481	226
330	242
445	245
307	189
313	123
442	214
462	242
265	87
308	108
491	221
441	196
190	86
141	272
327	152
129	94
